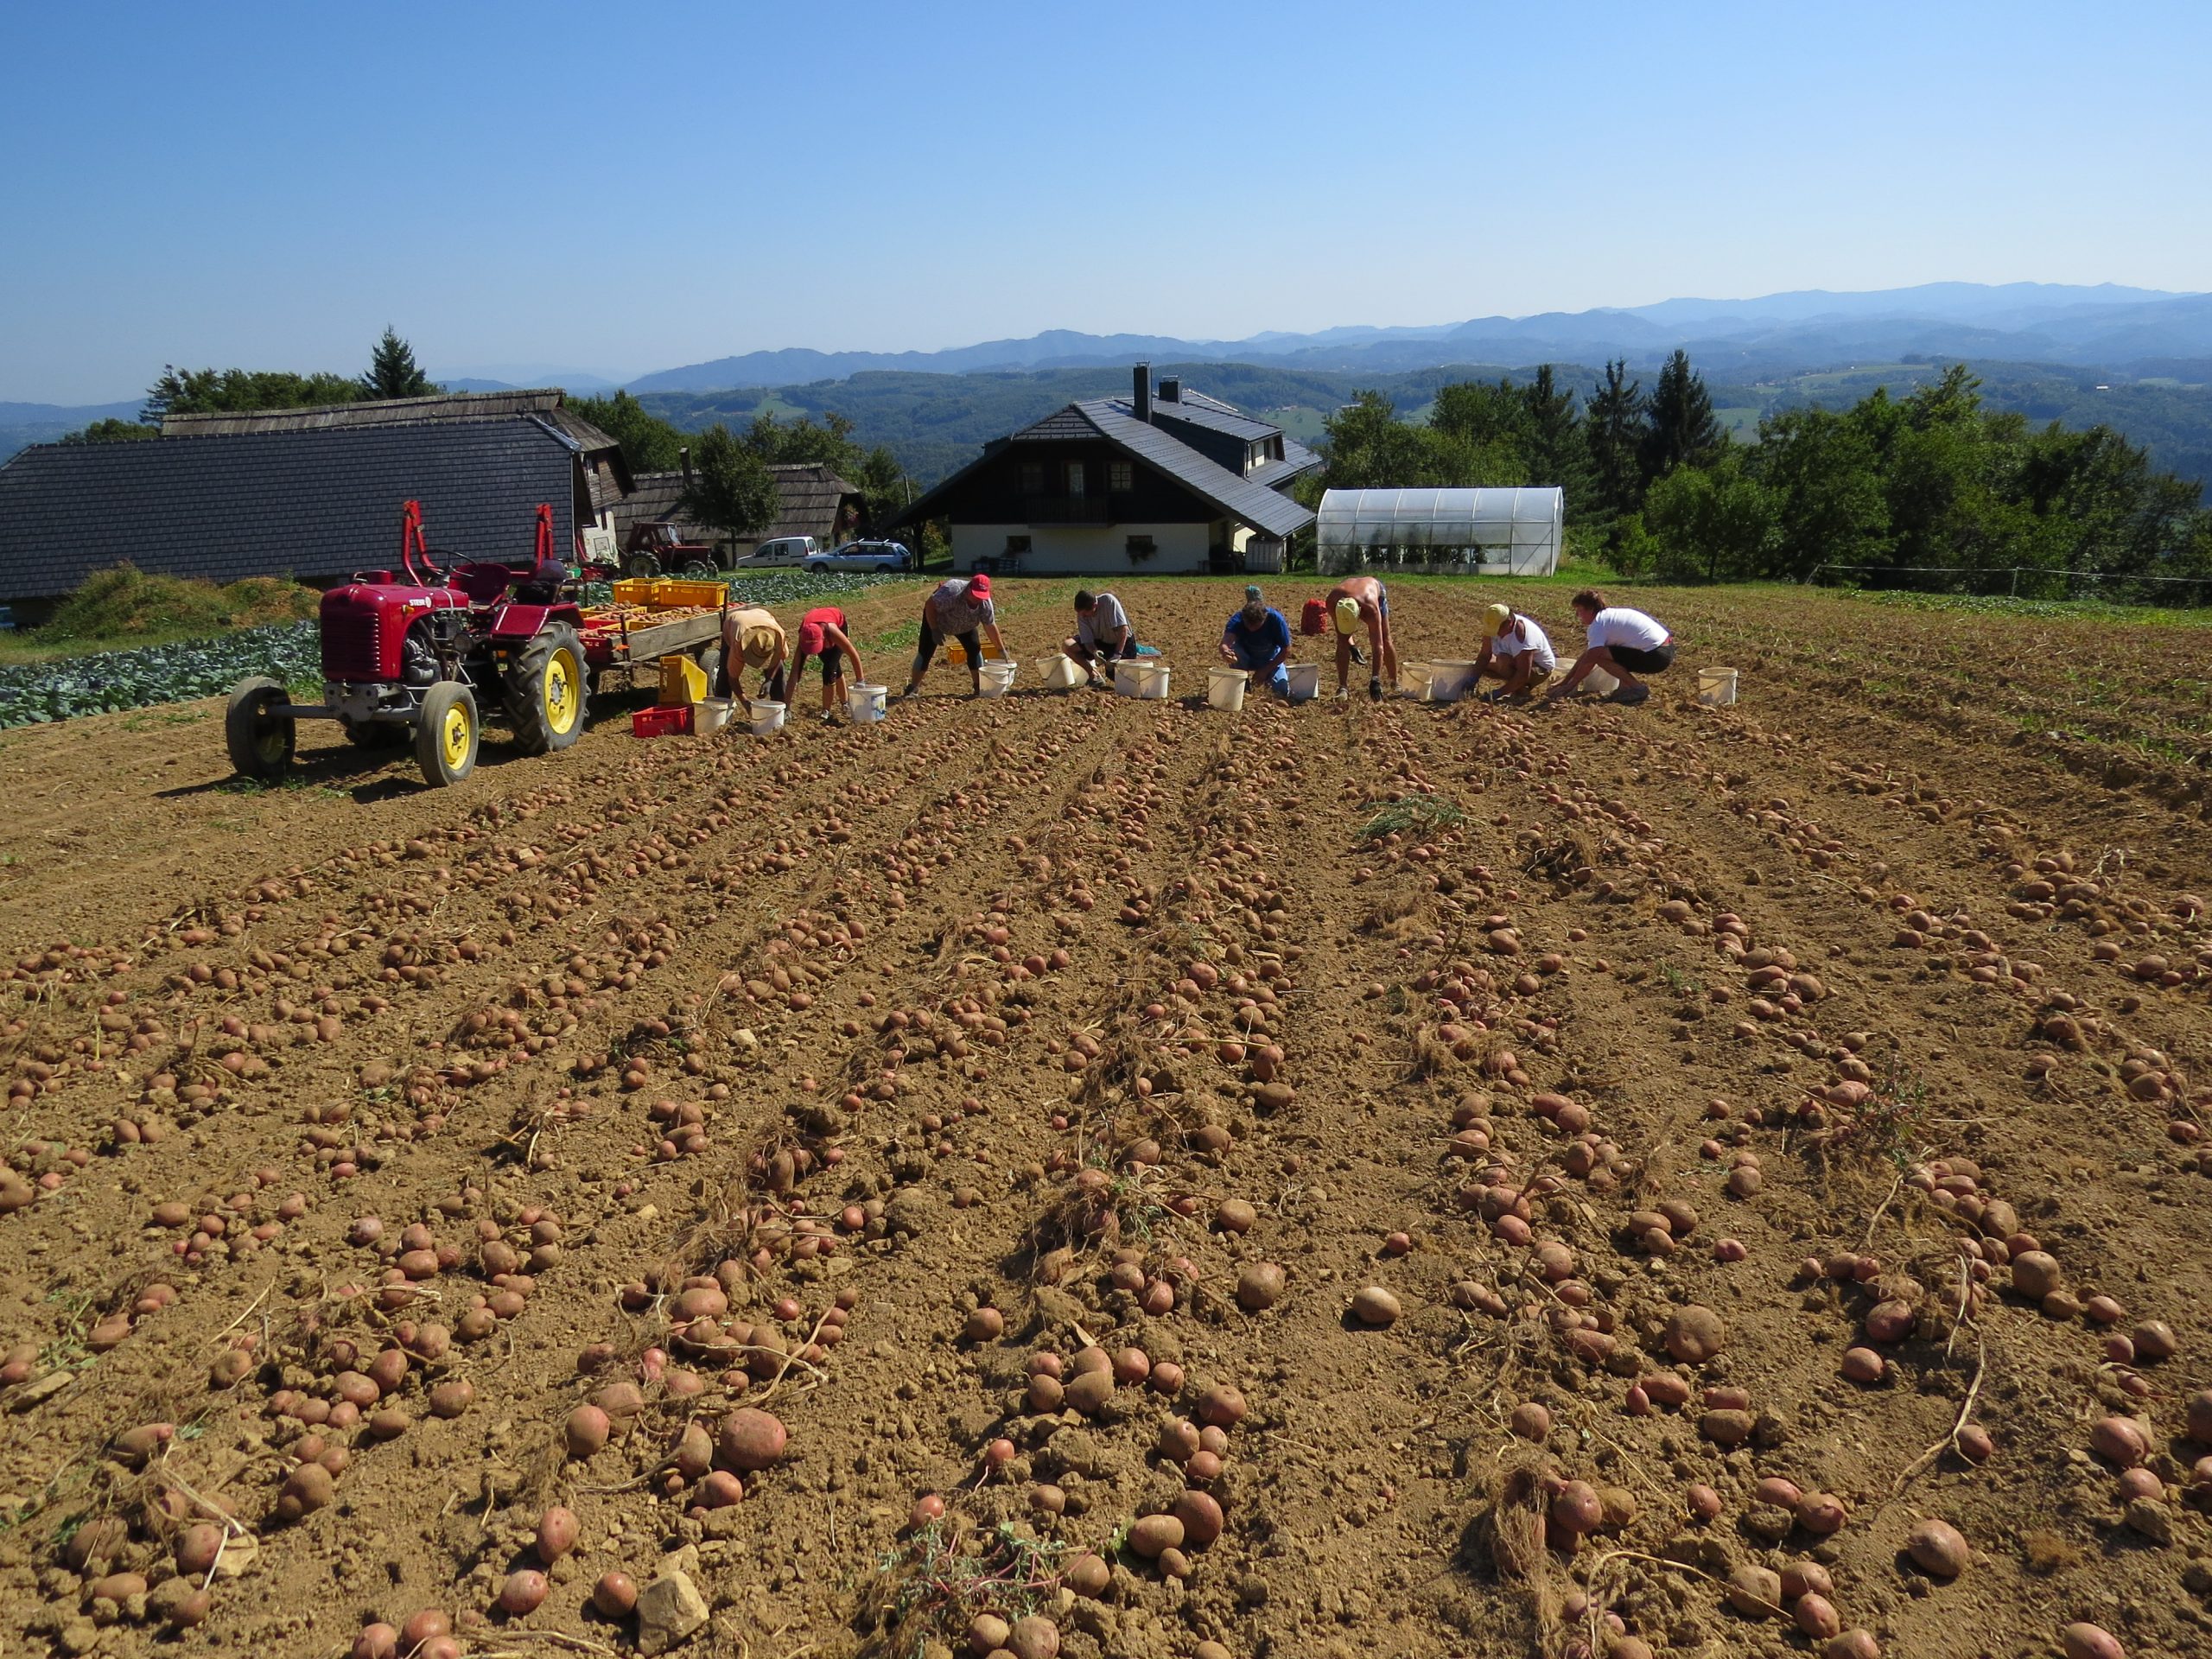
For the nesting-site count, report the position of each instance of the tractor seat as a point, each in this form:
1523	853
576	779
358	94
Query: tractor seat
486	582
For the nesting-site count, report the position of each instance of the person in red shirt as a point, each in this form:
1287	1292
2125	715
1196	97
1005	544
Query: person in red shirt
822	633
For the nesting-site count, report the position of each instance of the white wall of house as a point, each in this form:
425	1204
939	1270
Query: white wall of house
1086	550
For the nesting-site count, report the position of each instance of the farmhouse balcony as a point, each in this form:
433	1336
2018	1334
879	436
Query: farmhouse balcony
1089	508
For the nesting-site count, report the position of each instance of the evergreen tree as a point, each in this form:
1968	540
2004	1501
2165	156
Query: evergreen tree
393	372
1616	423
1558	453
236	391
1684	431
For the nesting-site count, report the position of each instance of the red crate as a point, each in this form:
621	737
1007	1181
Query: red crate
661	722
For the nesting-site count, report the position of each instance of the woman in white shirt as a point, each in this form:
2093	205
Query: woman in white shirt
1515	650
1622	642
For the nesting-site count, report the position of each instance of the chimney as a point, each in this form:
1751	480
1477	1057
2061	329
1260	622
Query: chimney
1171	389
684	455
1143	401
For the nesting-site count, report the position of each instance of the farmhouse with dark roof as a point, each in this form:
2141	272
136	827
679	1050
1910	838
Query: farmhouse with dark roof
1164	482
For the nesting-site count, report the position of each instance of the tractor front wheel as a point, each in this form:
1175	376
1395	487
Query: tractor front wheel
261	743
446	735
548	690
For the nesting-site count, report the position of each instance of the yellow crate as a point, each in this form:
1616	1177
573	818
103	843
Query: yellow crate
682	680
956	652
634	590
671	594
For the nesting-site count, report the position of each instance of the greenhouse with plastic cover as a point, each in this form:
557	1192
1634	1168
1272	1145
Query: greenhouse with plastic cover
1441	532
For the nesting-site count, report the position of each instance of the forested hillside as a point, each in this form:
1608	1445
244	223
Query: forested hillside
935	423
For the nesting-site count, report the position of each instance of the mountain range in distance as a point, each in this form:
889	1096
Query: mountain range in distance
2105	325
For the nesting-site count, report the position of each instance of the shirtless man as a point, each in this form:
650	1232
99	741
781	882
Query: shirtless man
1354	601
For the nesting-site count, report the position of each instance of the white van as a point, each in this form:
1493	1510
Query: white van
782	550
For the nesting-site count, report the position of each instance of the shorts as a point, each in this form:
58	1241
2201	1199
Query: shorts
926	650
833	667
1383	600
1654	661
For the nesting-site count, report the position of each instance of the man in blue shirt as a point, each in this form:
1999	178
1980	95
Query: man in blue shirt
1258	639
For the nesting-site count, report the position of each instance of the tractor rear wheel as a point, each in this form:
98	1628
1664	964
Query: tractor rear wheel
446	733
548	690
260	743
642	564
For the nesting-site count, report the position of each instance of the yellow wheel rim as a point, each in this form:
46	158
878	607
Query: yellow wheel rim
452	736
562	677
268	740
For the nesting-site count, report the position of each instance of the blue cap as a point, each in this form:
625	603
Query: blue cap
1252	595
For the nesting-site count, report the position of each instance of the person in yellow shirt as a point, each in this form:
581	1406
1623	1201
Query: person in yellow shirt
753	639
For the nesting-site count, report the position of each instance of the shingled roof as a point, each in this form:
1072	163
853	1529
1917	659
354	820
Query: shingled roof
548	403
314	504
812	497
1246	499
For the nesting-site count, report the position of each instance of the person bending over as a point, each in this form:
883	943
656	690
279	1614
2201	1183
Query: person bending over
1352	602
822	633
1103	634
1516	650
1257	639
959	607
1622	642
753	638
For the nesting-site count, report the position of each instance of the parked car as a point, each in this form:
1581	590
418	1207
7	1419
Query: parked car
865	555
784	551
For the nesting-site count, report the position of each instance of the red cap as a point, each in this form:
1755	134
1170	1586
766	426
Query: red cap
980	585
809	639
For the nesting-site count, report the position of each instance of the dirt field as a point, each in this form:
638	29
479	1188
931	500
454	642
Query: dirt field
854	1076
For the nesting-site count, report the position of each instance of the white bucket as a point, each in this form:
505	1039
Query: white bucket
1137	677
864	702
1598	683
1716	687
1063	672
997	679
1416	681
709	716
1450	681
1305	681
1225	687
766	717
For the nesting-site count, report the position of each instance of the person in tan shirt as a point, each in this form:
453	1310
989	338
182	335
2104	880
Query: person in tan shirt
752	638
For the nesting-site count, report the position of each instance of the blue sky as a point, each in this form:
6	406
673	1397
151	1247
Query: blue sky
532	185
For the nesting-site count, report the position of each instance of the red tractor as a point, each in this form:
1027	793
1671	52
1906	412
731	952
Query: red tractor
424	648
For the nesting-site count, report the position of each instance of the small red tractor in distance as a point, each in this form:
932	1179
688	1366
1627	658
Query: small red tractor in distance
655	547
423	649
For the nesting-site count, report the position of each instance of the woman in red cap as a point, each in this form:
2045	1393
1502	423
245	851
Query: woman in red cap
822	633
959	607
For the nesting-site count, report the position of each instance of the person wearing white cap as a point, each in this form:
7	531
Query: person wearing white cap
1515	650
1358	600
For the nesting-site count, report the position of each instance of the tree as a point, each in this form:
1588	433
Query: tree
649	443
1683	431
1486	414
1616	423
393	372
1821	473
1713	523
731	491
111	431
235	391
1557	451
